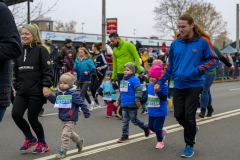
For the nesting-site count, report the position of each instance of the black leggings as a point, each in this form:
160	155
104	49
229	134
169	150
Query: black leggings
95	84
34	105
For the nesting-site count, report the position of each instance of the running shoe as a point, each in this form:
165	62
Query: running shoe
41	148
147	131
119	116
28	144
41	112
144	112
188	152
108	116
160	145
198	110
61	155
97	105
91	106
80	145
123	139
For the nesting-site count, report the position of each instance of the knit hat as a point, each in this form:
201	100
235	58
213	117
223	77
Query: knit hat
109	73
156	71
68	41
132	67
68	78
69	51
32	29
157	61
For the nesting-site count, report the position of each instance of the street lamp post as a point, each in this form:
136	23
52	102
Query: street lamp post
103	24
28	11
82	27
134	32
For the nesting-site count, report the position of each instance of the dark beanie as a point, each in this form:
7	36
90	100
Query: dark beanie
68	41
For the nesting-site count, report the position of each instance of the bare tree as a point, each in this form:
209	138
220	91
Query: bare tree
38	8
206	15
65	27
167	13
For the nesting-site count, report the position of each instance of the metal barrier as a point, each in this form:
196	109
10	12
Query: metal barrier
223	72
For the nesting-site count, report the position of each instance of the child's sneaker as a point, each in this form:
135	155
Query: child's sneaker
80	145
28	144
146	131
61	155
41	148
160	145
144	112
41	112
91	106
108	116
123	139
188	152
164	131
97	105
119	116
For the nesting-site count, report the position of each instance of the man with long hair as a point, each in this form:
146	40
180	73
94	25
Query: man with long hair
190	56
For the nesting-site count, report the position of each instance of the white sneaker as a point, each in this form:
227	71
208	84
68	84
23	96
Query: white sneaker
91	106
96	105
199	110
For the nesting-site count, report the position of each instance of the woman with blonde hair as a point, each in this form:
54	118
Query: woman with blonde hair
83	68
33	78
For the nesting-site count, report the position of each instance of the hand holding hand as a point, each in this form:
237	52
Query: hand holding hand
112	81
99	68
156	88
74	73
96	94
86	73
46	92
118	104
138	103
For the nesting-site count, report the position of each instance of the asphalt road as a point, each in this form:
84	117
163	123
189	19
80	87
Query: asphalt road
218	137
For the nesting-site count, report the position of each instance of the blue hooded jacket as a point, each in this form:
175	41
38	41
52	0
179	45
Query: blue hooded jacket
82	66
76	103
188	61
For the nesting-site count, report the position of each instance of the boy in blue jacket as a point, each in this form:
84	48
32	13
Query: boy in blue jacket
157	105
69	116
130	94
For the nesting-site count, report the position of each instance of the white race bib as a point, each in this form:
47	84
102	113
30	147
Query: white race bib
144	87
153	101
124	86
63	102
107	96
171	84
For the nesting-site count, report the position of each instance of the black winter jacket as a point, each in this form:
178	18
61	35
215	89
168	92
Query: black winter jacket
102	63
10	48
33	71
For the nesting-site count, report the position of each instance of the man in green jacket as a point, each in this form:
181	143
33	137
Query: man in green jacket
123	53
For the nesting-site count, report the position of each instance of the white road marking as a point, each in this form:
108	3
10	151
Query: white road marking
234	89
171	128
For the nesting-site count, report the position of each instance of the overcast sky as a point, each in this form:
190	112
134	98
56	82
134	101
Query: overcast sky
131	14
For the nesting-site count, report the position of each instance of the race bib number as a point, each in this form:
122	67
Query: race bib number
171	84
63	102
107	96
144	87
124	86
153	101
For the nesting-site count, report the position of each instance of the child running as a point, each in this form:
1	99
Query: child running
130	95
157	105
109	95
144	83
68	101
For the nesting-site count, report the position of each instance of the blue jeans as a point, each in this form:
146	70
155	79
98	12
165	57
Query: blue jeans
155	124
130	113
206	98
2	112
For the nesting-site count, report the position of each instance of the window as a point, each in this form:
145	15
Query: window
37	23
47	26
